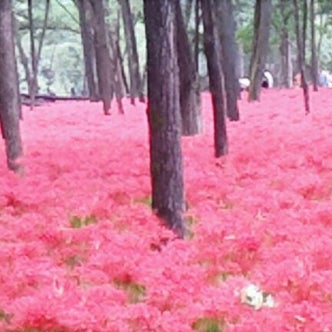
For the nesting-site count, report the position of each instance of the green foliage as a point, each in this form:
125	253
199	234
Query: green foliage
190	221
79	222
324	7
208	324
144	200
244	36
4	316
73	261
136	292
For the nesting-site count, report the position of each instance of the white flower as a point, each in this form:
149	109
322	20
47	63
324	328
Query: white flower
256	298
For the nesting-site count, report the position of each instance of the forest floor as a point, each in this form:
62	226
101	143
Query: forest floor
81	251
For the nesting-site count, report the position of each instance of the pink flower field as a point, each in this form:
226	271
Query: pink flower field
81	251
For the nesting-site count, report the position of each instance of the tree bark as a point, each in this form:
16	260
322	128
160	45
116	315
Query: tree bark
286	68
226	28
43	32
86	27
33	83
286	71
262	21
196	36
113	36
239	61
300	41
117	51
133	59
314	62
24	60
189	86
164	113
103	59
9	97
212	52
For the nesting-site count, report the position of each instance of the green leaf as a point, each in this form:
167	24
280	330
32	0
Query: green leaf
79	222
209	324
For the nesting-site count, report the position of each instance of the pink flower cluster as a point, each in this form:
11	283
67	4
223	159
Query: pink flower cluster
80	250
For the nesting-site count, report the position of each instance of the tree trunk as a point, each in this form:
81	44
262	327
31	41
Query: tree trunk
196	37
262	20
33	83
164	113
300	41
103	59
117	77
9	97
212	51
117	51
286	70
189	86
133	59
144	78
286	66
226	28
24	60
86	27
43	32
314	63
239	60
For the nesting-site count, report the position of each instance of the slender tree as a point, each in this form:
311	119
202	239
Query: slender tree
33	80
189	85
86	27
103	59
9	92
226	29
286	67
314	62
31	71
164	113
43	32
22	56
113	36
133	59
212	52
115	42
260	43
300	41
197	34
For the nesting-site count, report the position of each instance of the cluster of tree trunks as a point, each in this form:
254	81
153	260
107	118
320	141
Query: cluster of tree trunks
188	76
133	60
173	91
171	72
104	63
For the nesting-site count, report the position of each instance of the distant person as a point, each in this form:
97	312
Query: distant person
325	78
244	83
268	80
